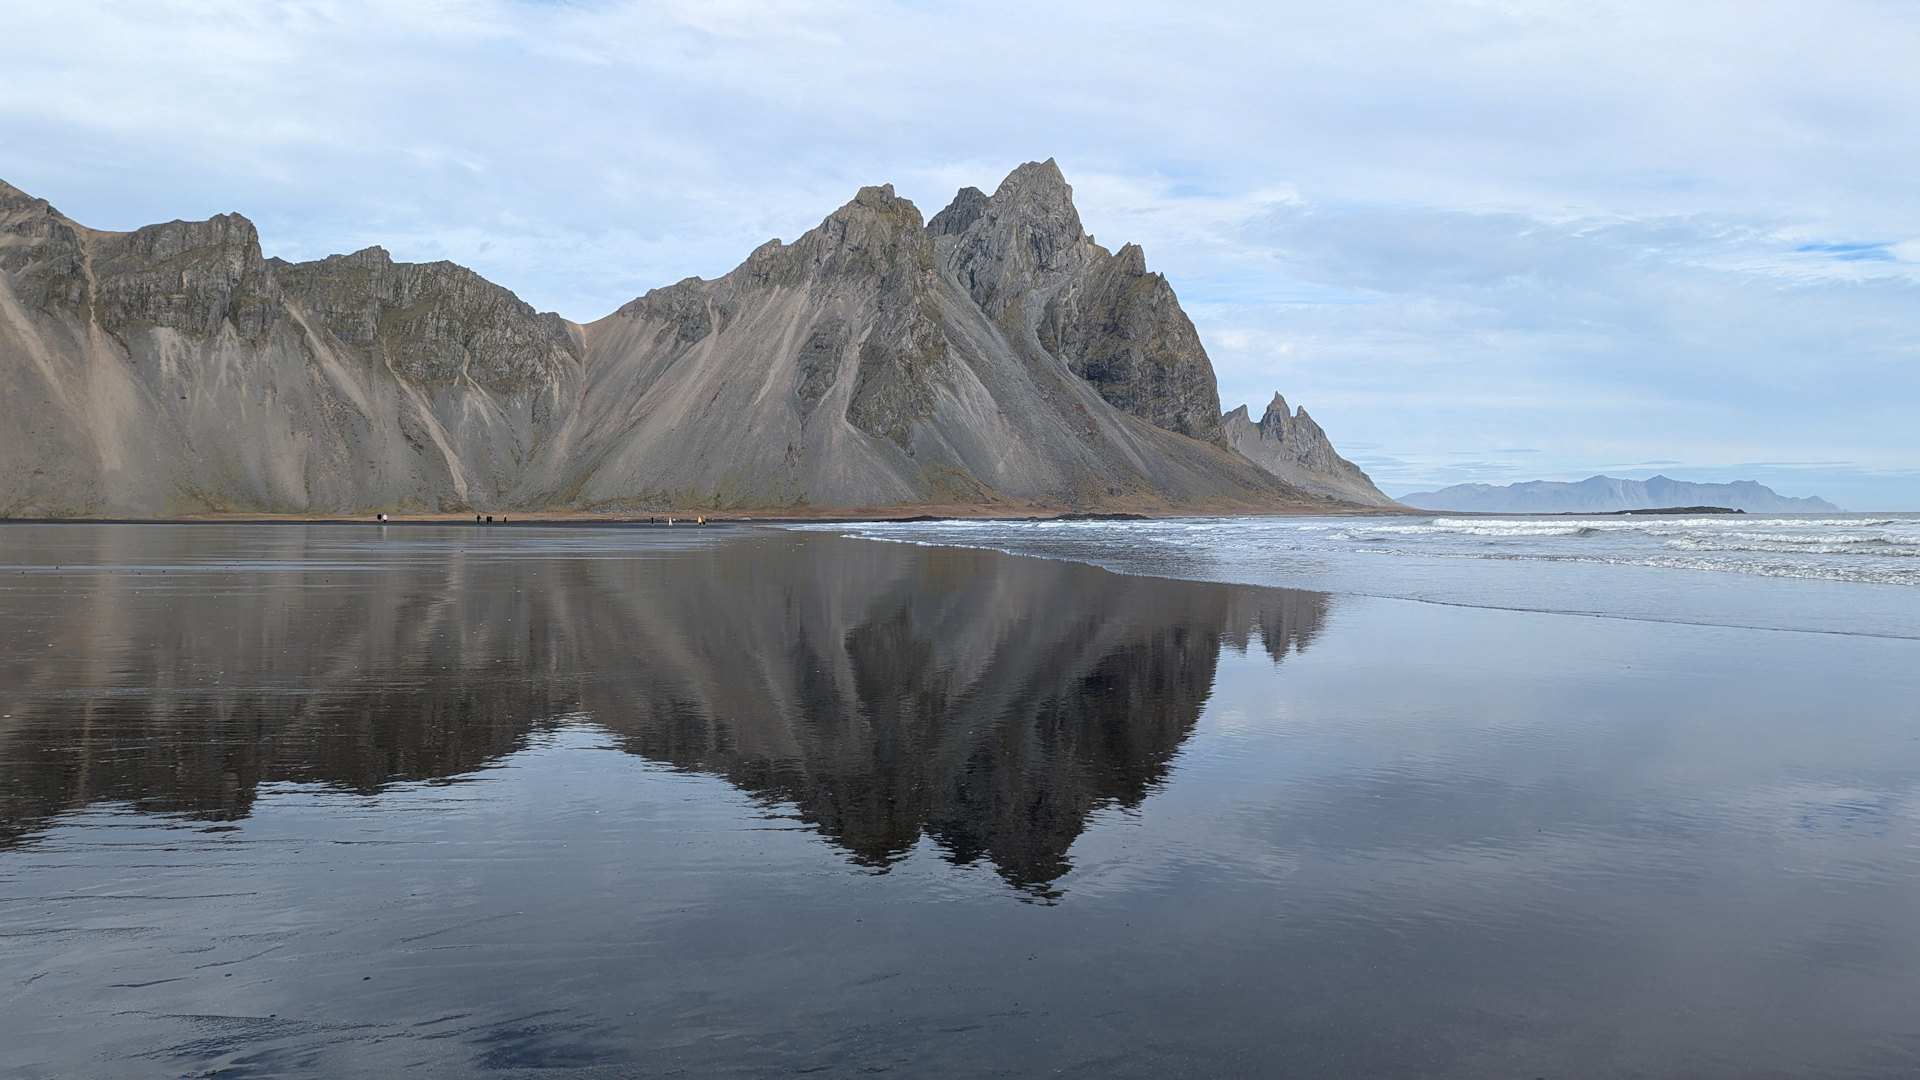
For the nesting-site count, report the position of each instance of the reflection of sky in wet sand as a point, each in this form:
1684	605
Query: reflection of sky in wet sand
1431	841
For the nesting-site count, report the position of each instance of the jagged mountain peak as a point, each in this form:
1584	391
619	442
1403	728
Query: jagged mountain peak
1021	237
1278	421
877	234
965	209
881	198
1131	260
875	228
1024	258
1037	195
1036	172
1294	448
1036	182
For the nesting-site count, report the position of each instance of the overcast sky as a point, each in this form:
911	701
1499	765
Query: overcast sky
1478	240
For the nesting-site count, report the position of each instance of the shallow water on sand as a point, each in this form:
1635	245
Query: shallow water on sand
332	801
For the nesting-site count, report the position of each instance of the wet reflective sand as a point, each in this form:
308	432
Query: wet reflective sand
324	801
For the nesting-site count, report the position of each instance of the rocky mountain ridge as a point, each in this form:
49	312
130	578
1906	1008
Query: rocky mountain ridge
1295	449
994	356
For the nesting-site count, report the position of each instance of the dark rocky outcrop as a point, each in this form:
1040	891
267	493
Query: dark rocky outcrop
432	323
41	253
996	355
1294	448
1025	259
196	277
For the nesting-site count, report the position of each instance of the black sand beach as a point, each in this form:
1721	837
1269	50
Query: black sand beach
337	800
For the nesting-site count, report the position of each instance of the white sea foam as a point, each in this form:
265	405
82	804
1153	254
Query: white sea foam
1852	575
1879	549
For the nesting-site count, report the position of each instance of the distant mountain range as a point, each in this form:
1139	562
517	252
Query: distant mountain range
992	356
1602	494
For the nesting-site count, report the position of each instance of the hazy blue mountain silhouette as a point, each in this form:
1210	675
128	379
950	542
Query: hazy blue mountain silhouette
1601	494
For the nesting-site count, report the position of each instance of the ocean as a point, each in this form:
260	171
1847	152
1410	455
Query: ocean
1845	573
1388	797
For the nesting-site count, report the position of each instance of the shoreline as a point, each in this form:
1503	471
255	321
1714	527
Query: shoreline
823	516
864	515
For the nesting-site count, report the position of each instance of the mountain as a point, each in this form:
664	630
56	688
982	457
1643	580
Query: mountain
1601	494
1296	450
993	356
174	370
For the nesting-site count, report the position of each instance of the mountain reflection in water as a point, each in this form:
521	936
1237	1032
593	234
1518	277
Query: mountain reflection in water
888	692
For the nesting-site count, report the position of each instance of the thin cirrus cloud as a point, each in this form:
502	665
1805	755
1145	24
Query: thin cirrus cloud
1600	232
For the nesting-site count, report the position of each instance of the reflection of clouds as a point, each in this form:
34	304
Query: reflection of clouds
1675	813
1820	815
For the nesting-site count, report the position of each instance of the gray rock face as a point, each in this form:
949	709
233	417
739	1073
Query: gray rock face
1024	258
40	252
1295	449
195	277
1604	494
433	323
996	355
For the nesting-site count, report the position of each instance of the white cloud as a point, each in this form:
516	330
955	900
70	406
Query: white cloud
1581	341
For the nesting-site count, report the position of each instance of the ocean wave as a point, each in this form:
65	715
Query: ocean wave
1814	571
1879	550
1808	570
1483	527
1876	548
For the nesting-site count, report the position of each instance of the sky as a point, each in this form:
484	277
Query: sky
1479	240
